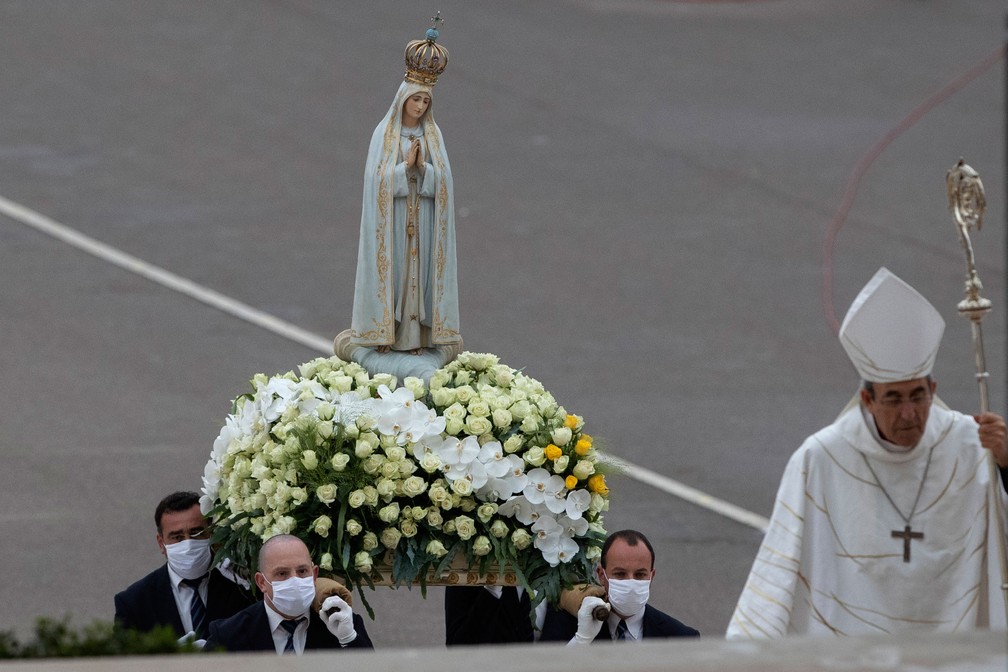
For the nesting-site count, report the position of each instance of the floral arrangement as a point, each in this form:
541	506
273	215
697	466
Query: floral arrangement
481	462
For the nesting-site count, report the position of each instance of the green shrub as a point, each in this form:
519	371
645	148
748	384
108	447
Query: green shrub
56	639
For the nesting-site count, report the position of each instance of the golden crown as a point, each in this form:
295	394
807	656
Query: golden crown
426	59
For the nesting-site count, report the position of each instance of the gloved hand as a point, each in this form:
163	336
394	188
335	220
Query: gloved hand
190	637
588	625
571	598
338	617
325	588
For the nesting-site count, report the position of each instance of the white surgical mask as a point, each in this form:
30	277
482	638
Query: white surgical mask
189	558
293	596
628	596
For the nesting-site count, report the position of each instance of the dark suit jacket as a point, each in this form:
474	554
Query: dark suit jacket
560	626
249	630
150	601
474	616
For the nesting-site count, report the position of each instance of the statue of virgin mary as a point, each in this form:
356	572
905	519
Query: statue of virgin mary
406	291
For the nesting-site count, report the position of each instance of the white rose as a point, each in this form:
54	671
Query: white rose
583	469
479	408
439	379
461	486
416	386
499	529
465	527
325	562
362	562
386	488
481	546
455	412
309	460
434	518
486	511
353	527
339	461
513	443
443	396
390	537
430	463
386	379
560	464
465	394
370	541
477	425
502	418
356	499
437	549
370	495
535	456
326	493
389	514
561	436
413	486
322	525
530	423
408	527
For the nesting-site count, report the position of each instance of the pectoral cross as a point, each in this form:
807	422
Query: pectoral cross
906	535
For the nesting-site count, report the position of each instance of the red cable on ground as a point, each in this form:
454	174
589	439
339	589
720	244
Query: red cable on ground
862	167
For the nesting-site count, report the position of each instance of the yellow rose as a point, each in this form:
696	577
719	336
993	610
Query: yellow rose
553	452
571	482
583	445
571	422
597	484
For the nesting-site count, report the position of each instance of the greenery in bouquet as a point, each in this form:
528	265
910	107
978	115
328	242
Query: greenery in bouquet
483	464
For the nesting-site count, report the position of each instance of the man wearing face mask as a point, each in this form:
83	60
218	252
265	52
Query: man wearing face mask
285	621
625	572
184	593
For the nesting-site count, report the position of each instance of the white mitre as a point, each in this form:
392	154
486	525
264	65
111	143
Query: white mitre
891	333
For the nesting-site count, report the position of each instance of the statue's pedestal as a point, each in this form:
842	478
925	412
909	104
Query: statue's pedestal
399	364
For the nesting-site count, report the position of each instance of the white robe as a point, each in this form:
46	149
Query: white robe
378	309
829	563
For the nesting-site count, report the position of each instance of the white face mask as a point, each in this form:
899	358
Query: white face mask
189	558
628	596
293	596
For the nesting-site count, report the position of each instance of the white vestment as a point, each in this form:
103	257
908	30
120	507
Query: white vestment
829	563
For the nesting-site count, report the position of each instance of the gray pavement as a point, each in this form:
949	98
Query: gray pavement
643	189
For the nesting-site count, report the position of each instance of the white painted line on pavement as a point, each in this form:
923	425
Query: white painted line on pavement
685	492
291	332
162	277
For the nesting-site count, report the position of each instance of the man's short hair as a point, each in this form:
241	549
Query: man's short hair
630	538
182	500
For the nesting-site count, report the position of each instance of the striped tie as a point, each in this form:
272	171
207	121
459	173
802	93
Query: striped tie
621	630
197	610
290	625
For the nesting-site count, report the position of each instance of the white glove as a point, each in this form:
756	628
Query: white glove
587	627
191	637
338	617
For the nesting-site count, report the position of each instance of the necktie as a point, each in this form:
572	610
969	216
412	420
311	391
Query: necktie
197	610
290	625
621	630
